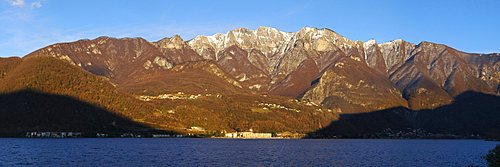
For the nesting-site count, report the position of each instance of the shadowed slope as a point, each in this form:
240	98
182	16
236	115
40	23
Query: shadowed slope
69	88
471	113
29	111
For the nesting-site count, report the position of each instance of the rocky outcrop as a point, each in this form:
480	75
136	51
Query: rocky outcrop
176	50
351	86
120	60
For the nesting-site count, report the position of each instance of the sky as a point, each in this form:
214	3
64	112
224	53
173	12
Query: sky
466	25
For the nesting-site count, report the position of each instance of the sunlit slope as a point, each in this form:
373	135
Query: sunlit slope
43	93
199	77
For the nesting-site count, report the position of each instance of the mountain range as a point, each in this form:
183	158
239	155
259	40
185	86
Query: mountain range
316	66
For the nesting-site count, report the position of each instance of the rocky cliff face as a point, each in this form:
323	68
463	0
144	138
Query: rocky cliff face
176	50
315	64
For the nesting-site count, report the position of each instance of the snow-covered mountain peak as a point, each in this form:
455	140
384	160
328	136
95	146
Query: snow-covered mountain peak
265	39
394	42
370	42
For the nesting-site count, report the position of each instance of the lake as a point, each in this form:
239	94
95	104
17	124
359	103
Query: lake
241	152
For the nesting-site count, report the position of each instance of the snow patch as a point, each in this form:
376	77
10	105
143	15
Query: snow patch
369	43
240	41
368	47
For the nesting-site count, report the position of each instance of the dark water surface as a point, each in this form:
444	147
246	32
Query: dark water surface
241	152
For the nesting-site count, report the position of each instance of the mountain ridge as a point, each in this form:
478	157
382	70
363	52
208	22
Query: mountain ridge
267	60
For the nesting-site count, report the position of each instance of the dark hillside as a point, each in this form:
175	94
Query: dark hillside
49	78
29	111
471	113
366	125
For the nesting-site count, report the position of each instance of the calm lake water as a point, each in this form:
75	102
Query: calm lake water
241	152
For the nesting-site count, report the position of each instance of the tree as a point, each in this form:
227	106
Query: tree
493	157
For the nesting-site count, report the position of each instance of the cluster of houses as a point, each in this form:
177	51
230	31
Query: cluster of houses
99	135
167	136
411	133
135	135
53	134
249	134
243	135
310	103
179	95
268	105
306	102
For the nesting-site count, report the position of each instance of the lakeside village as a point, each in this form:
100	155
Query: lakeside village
178	96
409	133
198	132
193	132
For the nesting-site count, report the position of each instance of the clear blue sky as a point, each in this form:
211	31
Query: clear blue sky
466	25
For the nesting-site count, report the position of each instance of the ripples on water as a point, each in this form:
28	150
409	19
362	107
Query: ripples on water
241	152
